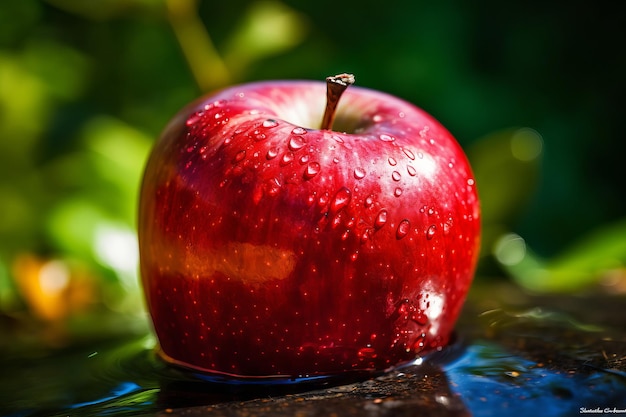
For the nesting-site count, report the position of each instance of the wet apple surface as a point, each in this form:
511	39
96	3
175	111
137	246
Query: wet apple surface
271	248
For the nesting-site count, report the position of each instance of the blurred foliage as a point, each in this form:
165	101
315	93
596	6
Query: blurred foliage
533	91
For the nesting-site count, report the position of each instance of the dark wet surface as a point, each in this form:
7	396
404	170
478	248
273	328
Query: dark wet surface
515	355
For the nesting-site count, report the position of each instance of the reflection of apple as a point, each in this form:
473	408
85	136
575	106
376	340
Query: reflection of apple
272	248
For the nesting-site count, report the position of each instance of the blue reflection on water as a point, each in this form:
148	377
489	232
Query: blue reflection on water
122	389
492	381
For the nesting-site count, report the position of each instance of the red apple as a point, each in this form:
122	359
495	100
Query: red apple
273	248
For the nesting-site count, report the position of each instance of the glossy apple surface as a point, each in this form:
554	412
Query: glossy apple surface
272	248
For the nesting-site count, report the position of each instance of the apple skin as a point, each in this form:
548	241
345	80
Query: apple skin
272	249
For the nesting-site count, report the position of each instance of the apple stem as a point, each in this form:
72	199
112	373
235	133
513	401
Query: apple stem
335	86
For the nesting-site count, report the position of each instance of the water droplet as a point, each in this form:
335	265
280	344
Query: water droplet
259	136
287	158
340	200
395	175
470	182
345	235
401	115
194	118
392	161
304	159
273	186
337	139
381	219
408	153
369	201
366	235
430	232
411	170
298	131
397	192
367	353
403	229
269	123
431	211
377	118
323	200
312	169
240	155
420	155
218	115
359	172
228	140
386	138
335	160
296	142
272	153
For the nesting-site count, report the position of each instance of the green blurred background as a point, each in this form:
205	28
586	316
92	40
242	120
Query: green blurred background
534	91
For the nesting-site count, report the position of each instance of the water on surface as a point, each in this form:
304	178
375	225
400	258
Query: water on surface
522	364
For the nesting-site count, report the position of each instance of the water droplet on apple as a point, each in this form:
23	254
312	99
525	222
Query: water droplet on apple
335	160
272	153
195	118
259	137
304	159
298	131
359	172
340	200
420	155
470	182
403	229
395	175
381	219
269	123
323	200
431	211
312	169
411	170
337	139
287	158
430	232
240	155
273	186
386	138
367	353
296	142
392	161
366	235
377	118
397	192
409	154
